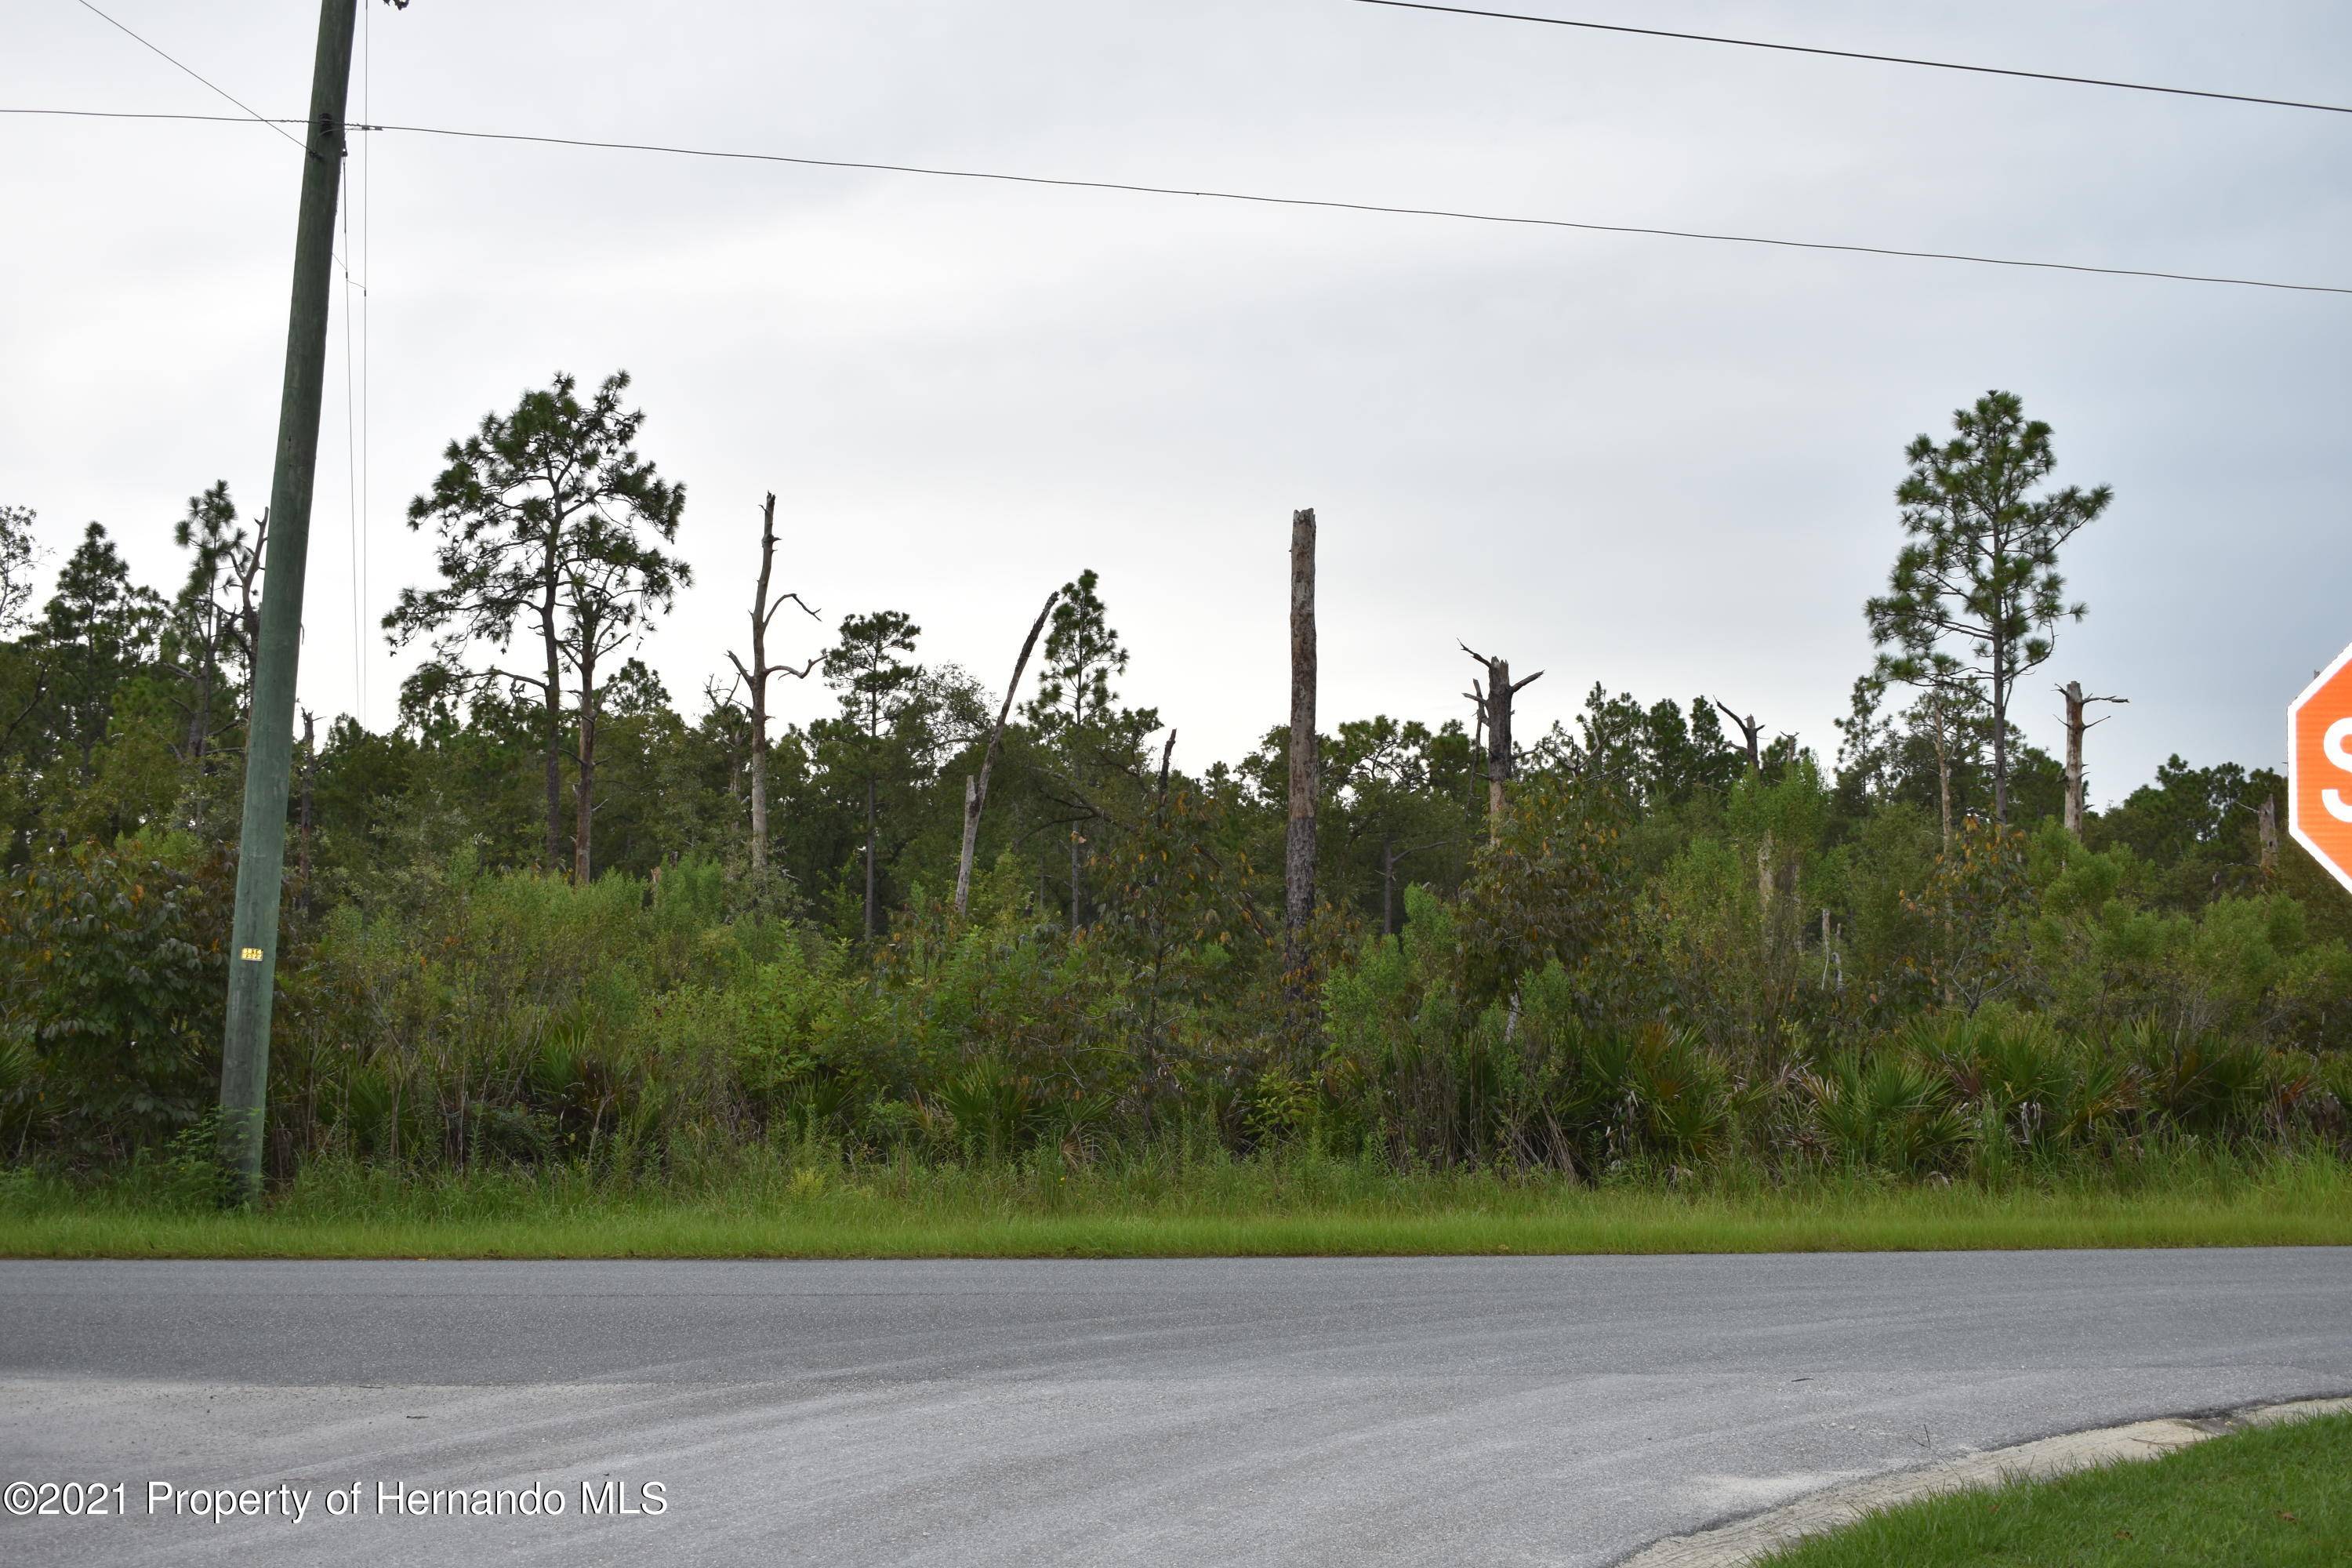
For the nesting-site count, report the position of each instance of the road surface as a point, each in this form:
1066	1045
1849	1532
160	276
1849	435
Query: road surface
1275	1412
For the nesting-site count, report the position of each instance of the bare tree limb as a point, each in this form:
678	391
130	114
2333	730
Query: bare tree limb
2077	700
975	792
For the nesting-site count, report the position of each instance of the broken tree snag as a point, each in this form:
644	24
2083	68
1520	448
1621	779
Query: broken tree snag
2266	826
1750	728
309	771
1388	885
975	789
247	570
756	675
1939	710
2075	725
1394	854
1298	849
1493	703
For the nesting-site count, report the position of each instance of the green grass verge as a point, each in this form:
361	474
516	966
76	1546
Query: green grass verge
798	1203
2276	1497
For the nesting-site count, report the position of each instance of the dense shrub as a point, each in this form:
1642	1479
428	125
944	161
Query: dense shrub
1557	1014
113	983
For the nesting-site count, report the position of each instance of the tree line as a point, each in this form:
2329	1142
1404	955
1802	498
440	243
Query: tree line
1682	863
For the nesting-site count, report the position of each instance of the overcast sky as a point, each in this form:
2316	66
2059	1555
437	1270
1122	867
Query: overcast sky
1662	465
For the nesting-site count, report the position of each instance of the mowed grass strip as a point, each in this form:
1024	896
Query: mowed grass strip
2275	1497
1243	1209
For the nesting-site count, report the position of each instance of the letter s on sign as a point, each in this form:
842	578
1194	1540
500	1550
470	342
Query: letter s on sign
2338	747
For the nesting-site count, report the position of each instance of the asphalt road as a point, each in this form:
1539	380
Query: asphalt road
1442	1411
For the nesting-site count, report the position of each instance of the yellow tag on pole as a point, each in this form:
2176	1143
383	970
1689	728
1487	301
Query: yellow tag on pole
251	955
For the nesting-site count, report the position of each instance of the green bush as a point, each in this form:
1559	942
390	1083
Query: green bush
1888	1112
461	1019
114	985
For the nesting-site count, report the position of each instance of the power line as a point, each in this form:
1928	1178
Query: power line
1335	205
251	114
159	114
216	86
1857	54
1262	198
353	448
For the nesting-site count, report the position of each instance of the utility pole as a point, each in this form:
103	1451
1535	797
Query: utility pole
261	846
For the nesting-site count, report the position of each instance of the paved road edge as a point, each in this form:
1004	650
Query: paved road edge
1743	1541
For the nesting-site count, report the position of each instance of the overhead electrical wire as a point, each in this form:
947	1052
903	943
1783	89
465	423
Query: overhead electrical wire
250	112
164	114
1320	203
252	115
1857	54
355	443
1334	205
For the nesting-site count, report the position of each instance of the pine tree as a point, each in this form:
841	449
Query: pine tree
1076	715
1979	567
880	692
549	520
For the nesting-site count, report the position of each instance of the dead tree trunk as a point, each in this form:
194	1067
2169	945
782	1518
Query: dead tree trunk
1388	885
2266	825
872	908
551	646
303	820
200	706
583	794
755	678
1494	712
1299	850
1394	854
2075	726
975	789
1148	1042
244	567
1943	763
1750	729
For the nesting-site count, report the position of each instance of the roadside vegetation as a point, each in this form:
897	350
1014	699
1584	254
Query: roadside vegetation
788	1201
2277	1496
1645	983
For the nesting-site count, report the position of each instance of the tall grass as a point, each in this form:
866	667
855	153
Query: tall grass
802	1199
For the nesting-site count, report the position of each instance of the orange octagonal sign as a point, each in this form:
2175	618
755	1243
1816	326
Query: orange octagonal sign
2319	768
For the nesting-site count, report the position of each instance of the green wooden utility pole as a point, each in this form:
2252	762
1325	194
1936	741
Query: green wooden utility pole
269	737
